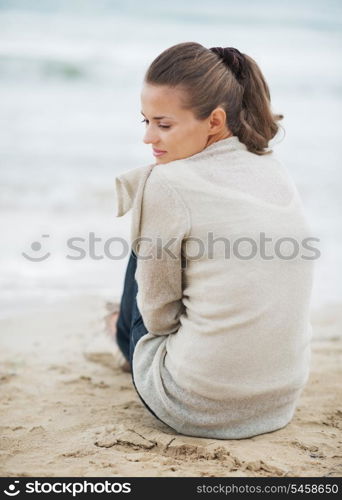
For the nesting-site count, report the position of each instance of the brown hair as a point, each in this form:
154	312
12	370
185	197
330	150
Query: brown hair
208	83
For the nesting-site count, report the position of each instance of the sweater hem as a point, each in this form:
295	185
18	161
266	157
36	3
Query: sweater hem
265	423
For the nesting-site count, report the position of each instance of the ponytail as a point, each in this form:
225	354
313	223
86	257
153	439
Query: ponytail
258	124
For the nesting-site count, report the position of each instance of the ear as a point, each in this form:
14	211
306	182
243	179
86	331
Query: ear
217	120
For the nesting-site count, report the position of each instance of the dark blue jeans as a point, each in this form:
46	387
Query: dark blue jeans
130	326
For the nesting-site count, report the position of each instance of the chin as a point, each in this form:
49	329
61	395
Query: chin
166	159
161	160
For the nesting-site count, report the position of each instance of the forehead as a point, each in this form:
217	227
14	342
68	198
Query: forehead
160	99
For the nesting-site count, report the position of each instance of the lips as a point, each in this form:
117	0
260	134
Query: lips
158	152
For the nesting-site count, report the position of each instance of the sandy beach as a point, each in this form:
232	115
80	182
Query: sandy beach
64	415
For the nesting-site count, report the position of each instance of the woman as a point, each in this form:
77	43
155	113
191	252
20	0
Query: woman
214	317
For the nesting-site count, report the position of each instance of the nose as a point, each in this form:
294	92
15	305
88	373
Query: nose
150	137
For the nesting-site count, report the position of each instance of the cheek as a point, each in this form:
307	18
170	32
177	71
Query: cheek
174	138
182	133
193	138
184	139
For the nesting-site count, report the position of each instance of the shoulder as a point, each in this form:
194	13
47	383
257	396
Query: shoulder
162	201
127	187
162	181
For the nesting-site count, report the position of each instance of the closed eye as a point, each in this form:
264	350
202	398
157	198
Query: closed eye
161	126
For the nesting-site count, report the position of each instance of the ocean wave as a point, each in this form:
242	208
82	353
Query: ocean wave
68	70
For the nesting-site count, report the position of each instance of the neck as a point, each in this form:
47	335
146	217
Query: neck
218	137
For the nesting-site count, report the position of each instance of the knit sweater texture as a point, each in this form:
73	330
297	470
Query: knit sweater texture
224	286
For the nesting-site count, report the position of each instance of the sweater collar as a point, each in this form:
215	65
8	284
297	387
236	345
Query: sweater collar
223	146
130	183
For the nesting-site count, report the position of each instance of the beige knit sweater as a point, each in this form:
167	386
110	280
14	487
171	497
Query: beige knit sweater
224	298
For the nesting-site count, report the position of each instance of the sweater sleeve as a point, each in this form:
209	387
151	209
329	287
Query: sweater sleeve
163	225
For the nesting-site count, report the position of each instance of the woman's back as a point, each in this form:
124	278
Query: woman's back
242	340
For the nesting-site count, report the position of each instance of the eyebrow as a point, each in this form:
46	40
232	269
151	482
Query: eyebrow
157	117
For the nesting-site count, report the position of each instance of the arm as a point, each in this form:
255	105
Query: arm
163	225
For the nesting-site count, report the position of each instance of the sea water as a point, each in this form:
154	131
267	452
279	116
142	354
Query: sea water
70	81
